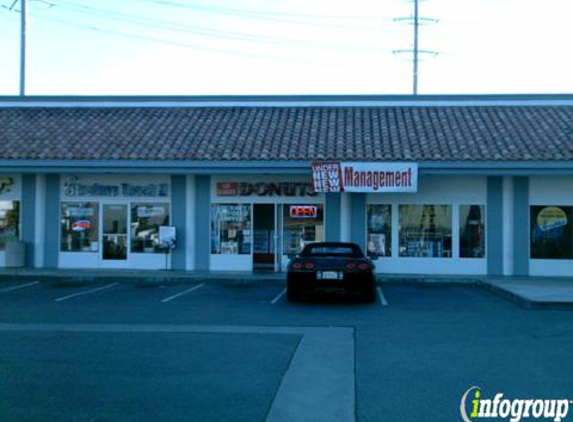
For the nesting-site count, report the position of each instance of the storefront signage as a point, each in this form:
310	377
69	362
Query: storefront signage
6	184
550	218
236	213
80	212
146	211
303	211
265	189
73	187
167	237
81	226
365	177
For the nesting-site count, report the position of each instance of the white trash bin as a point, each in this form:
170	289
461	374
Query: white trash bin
15	254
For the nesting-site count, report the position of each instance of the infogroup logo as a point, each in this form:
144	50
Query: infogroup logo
514	410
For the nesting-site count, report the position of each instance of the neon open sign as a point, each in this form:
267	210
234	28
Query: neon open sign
303	211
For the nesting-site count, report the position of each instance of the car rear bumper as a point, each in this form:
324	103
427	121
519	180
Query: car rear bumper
350	282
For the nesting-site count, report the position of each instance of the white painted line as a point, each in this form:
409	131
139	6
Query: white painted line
382	297
86	292
192	289
21	286
278	297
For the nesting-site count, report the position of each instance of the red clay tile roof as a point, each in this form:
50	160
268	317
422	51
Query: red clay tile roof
388	133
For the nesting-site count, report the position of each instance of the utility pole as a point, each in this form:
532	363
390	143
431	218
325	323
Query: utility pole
416	21
23	48
416	28
22	44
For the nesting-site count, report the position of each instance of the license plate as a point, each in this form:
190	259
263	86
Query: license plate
329	275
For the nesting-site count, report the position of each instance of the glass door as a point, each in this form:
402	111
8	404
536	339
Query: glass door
114	232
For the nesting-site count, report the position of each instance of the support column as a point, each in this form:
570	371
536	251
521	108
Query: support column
521	226
202	222
494	222
52	221
179	220
28	216
358	219
332	217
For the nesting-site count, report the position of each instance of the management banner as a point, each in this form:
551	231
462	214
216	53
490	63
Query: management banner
365	177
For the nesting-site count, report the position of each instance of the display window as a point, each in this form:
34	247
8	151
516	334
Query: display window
425	231
472	231
379	242
145	222
79	227
231	229
9	222
302	224
551	232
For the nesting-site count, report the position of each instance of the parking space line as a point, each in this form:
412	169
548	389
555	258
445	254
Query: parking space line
278	297
382	297
21	286
86	292
192	289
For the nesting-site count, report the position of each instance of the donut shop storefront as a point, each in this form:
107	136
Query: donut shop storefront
256	223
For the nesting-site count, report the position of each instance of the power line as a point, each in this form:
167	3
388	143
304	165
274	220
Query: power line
228	10
170	42
208	32
267	16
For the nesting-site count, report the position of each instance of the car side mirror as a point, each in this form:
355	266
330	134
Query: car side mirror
292	256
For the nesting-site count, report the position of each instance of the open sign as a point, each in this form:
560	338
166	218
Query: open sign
303	211
81	225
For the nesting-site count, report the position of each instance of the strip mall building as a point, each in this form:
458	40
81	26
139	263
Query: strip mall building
426	185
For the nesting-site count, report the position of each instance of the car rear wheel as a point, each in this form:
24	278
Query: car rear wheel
369	294
294	293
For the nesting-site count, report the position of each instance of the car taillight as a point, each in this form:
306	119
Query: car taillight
363	266
297	265
309	265
351	265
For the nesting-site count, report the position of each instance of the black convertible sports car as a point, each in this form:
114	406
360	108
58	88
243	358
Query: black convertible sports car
323	265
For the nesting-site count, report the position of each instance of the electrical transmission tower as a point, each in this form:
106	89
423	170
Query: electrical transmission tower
416	21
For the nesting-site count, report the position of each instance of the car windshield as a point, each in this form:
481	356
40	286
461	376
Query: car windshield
331	250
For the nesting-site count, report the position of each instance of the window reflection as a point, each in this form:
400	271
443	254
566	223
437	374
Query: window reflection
9	222
231	229
472	231
145	222
380	230
551	232
302	224
425	231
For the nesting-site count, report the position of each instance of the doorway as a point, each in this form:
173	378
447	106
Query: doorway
114	232
264	237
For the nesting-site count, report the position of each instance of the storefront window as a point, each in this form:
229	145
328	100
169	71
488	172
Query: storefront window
472	231
302	224
79	227
9	222
145	222
425	231
379	230
231	229
551	232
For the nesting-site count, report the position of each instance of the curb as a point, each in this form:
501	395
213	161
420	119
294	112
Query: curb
524	302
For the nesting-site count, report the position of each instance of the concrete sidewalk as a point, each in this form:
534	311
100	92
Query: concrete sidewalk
534	292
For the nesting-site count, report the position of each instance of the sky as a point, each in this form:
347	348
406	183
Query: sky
287	47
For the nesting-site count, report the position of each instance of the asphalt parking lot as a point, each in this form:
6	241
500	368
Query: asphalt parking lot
214	351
